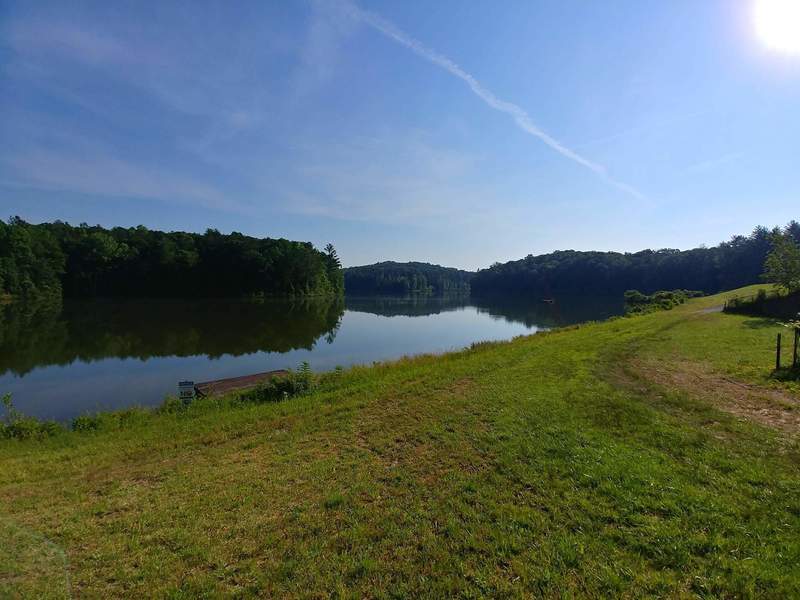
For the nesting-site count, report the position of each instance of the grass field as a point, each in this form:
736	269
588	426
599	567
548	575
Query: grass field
651	455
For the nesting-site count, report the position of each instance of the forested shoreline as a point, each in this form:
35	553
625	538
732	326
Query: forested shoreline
60	260
57	259
729	265
393	278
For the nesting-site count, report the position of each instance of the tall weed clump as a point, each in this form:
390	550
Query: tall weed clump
294	383
19	426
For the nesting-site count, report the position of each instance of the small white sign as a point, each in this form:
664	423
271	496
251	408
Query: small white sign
186	391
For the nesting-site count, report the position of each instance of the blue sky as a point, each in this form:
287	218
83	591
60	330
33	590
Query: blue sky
460	133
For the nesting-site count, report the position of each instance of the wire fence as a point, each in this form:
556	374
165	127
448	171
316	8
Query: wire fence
794	364
746	304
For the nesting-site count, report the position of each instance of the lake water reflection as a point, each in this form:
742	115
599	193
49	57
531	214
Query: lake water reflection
62	361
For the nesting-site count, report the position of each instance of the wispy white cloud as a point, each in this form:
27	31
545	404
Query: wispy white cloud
184	71
645	129
83	60
391	177
112	177
319	53
36	38
713	163
208	97
518	114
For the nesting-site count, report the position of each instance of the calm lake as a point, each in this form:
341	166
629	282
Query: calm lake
87	356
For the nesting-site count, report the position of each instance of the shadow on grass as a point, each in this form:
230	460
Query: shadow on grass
31	566
763	323
787	374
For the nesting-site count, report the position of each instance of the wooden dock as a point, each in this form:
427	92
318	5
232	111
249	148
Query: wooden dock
223	386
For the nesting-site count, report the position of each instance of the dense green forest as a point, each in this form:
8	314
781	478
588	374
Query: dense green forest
406	278
59	259
729	265
31	260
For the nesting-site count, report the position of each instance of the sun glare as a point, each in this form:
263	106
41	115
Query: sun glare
778	24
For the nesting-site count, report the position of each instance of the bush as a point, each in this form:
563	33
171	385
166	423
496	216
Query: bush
16	425
295	383
638	303
171	405
115	420
86	423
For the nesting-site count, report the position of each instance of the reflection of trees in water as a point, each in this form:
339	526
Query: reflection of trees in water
533	312
514	308
52	334
32	336
28	330
417	305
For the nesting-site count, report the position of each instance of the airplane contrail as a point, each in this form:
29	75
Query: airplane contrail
522	119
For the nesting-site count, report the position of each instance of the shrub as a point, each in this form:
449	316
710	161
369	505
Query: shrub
86	423
295	383
638	303
171	405
17	425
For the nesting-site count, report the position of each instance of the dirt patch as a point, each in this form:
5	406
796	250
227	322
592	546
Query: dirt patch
774	408
711	309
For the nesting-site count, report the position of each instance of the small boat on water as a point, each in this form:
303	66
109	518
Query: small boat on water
549	300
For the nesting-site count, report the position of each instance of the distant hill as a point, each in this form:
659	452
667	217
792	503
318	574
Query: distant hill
394	278
729	265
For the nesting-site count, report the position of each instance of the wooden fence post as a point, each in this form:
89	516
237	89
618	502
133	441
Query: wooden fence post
778	353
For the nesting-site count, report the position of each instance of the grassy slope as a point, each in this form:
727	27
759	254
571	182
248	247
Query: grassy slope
543	466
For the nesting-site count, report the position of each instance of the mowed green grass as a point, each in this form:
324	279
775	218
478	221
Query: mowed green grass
538	467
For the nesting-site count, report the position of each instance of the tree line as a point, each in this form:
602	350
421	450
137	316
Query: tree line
57	259
732	264
392	278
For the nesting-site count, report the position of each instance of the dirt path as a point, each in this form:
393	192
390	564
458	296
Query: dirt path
711	309
774	408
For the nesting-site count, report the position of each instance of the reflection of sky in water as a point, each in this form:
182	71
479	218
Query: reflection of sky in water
62	392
